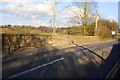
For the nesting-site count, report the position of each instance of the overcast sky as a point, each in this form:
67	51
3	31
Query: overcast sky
39	12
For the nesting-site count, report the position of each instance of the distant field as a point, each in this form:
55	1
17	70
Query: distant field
24	31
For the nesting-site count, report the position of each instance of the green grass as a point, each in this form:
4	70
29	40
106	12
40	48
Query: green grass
105	39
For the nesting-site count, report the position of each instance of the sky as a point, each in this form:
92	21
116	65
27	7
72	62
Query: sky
108	10
39	12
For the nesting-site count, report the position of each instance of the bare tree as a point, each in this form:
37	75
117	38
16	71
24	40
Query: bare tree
54	4
89	8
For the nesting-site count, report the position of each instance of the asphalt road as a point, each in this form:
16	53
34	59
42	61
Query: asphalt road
86	61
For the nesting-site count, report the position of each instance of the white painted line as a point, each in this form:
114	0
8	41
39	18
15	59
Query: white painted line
36	68
88	50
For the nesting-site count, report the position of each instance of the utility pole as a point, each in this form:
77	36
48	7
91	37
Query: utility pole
85	17
96	19
54	16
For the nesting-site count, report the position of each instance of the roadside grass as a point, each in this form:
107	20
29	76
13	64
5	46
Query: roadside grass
105	39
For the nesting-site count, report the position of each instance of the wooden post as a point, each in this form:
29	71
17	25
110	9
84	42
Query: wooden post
9	49
102	54
102	57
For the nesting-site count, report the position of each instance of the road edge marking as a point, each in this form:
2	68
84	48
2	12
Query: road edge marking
36	68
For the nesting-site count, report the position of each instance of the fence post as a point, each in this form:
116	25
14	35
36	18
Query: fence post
102	57
102	54
18	41
9	49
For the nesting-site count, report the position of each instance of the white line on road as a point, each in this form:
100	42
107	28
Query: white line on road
88	50
36	68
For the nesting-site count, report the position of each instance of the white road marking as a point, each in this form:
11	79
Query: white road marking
36	68
88	50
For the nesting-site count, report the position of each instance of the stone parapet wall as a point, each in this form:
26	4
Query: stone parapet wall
57	40
12	43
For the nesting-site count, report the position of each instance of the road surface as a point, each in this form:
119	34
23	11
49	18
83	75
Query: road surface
77	61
